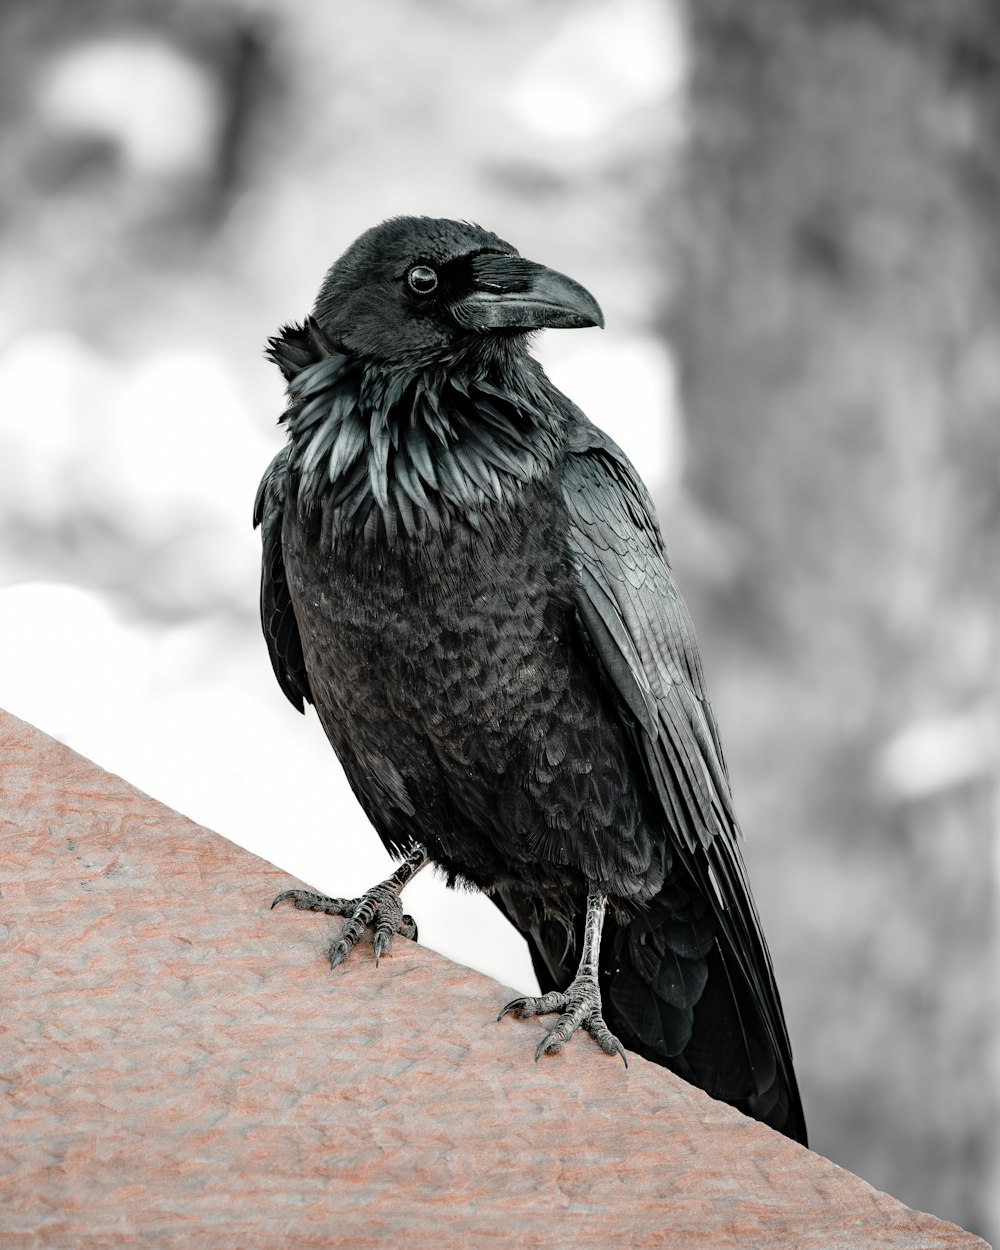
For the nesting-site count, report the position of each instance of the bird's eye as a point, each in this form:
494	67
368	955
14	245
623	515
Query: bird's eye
422	279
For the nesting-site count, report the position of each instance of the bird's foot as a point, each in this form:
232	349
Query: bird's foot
380	906
580	1007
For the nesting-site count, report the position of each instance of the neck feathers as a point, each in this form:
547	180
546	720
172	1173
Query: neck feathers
394	454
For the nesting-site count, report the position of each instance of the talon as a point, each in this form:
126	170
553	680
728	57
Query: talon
580	1003
579	1007
339	953
379	906
551	1044
603	1036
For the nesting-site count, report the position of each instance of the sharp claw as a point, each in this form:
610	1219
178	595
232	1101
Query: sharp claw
616	1048
379	907
551	1044
339	954
577	1012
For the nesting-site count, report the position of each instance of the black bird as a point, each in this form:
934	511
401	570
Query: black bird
467	580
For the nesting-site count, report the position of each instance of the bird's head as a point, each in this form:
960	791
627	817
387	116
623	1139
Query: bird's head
424	290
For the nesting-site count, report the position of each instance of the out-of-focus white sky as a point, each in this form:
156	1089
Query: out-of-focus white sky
128	462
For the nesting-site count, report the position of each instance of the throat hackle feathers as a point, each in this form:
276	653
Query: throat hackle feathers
385	452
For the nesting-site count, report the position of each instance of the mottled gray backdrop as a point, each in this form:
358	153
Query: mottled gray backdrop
791	216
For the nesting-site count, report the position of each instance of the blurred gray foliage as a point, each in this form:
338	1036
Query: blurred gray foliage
809	222
839	344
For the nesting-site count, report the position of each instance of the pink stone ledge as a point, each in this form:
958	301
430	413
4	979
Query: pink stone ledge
180	1068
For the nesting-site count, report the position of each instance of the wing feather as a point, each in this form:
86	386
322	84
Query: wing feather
642	634
277	616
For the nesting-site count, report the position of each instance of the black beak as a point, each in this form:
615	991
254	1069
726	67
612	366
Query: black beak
511	293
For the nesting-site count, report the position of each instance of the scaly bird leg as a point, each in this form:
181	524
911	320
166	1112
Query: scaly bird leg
380	906
580	1004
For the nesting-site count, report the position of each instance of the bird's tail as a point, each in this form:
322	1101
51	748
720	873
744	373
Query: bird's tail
693	990
690	990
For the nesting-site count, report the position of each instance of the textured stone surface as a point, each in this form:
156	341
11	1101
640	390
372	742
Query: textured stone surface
180	1068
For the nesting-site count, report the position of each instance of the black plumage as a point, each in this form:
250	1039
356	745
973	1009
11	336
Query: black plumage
467	579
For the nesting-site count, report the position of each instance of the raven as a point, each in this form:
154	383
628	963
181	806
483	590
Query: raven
467	580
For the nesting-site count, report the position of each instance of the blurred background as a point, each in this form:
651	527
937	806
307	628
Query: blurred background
791	216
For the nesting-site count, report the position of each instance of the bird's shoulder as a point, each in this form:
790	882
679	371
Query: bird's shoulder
622	562
638	623
604	491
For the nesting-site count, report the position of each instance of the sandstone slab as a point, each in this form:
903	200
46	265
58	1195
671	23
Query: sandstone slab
179	1068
